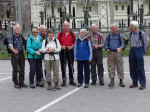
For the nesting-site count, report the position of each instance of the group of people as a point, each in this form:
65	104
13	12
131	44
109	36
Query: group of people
86	50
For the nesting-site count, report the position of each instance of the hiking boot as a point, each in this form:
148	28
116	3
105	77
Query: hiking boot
93	83
49	86
111	84
101	83
16	85
32	86
121	83
86	86
57	86
72	83
63	83
133	85
24	85
142	88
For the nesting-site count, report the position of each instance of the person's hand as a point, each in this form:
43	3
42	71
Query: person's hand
38	53
119	50
69	47
40	50
15	51
90	60
95	46
108	50
63	47
75	60
50	50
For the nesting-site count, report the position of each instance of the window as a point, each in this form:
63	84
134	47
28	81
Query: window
122	7
116	7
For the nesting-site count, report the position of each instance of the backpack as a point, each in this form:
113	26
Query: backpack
126	40
46	42
70	33
13	36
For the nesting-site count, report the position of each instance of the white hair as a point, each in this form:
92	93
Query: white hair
66	22
83	30
114	24
17	25
43	26
34	28
134	23
93	25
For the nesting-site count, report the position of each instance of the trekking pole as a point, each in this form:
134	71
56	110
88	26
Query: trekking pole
65	66
71	65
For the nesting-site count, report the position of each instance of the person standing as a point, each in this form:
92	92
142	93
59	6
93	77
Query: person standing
34	43
138	46
51	48
83	55
114	45
15	44
97	42
67	41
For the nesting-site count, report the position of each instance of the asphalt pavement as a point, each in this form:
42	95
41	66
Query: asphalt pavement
72	99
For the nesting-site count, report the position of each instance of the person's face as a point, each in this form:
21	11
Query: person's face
17	30
114	29
43	30
34	33
50	36
94	29
131	28
66	26
82	34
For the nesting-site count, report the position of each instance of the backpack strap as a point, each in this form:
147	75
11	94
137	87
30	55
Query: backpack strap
108	39
55	42
71	33
46	42
61	33
140	37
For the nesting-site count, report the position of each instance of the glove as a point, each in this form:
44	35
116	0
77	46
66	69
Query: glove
38	53
40	50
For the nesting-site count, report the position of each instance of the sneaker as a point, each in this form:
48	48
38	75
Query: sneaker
24	85
101	83
79	85
86	86
39	84
16	85
93	83
142	88
32	86
133	85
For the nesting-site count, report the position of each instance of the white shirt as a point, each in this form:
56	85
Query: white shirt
51	44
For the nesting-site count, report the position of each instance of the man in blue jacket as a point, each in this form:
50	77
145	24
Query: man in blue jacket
114	45
83	55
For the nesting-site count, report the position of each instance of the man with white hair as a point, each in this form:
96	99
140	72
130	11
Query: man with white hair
97	42
113	45
15	44
67	41
138	46
83	55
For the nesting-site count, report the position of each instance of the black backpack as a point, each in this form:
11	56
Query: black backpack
13	36
70	33
126	40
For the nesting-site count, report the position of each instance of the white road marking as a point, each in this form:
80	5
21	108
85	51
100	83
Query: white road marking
5	79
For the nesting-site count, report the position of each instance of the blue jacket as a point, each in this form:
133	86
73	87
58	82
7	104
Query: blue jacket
114	42
33	47
82	51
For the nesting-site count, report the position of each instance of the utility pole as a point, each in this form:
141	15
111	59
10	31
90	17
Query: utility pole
20	13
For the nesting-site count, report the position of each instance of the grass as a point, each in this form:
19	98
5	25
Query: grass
125	52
